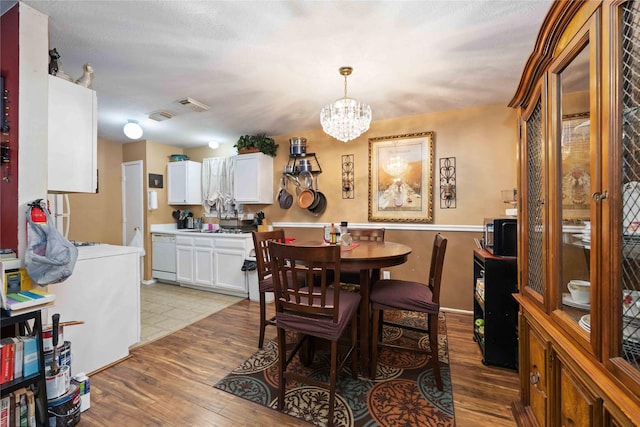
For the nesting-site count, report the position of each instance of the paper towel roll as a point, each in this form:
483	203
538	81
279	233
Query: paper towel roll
153	200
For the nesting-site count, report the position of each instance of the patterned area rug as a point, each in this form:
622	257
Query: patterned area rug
403	393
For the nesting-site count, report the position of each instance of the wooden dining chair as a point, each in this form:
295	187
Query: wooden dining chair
261	241
319	311
366	234
351	279
393	294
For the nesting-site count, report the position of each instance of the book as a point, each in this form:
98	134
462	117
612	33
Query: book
8	359
5	419
25	299
30	362
31	409
12	313
18	357
20	409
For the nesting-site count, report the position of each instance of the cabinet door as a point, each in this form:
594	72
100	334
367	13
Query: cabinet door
533	194
536	371
72	141
624	204
203	266
227	271
575	210
229	256
185	183
578	407
253	178
184	264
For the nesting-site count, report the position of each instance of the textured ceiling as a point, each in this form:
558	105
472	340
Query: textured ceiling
271	66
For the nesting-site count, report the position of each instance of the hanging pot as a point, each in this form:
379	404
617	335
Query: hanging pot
316	199
305	198
298	146
322	204
285	199
305	178
305	165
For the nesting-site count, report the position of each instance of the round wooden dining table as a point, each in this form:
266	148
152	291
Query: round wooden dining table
367	258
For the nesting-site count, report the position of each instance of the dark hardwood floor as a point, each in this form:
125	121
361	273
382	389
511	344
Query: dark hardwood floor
170	382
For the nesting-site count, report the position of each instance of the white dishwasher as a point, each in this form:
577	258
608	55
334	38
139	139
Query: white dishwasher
163	257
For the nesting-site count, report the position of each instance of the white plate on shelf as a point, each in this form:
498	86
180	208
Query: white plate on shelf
567	300
585	322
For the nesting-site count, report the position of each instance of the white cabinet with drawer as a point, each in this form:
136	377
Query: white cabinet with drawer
213	262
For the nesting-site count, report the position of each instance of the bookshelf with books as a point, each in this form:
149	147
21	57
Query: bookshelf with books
32	379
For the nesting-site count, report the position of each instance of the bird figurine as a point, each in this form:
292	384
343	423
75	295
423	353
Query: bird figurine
86	79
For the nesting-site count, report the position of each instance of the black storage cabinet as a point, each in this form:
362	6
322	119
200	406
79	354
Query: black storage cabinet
21	325
498	310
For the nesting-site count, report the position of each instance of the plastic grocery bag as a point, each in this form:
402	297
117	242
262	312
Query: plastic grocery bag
49	258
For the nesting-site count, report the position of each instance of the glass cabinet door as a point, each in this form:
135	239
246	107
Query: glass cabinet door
533	196
575	201
628	232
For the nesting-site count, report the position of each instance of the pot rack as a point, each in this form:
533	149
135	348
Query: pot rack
294	160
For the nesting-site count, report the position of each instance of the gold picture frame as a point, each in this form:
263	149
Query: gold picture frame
576	162
401	178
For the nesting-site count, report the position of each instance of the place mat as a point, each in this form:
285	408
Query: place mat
348	248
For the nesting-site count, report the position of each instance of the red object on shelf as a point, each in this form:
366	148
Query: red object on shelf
289	239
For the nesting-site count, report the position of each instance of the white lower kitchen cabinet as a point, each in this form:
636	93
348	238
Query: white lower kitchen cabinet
184	259
203	262
213	262
228	260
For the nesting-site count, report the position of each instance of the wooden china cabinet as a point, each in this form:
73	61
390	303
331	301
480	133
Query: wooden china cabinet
578	104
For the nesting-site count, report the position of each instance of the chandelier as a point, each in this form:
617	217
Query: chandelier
345	119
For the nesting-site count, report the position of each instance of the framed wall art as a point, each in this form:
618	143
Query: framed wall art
401	178
155	180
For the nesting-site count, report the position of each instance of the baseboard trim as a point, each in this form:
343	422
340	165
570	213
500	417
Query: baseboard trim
455	310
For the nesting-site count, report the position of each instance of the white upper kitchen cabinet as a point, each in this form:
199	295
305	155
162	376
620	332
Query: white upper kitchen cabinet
72	141
185	183
253	178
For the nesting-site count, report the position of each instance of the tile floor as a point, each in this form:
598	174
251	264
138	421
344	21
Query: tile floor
167	308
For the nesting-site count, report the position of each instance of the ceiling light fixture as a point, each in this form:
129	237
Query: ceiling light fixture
345	119
214	144
132	130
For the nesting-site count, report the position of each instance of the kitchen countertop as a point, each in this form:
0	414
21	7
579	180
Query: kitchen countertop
171	229
105	250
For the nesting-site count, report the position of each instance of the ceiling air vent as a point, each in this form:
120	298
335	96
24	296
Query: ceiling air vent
160	116
193	105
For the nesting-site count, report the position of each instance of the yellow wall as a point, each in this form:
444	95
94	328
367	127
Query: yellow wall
483	140
97	217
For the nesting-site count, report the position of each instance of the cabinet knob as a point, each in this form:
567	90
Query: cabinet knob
598	197
534	378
